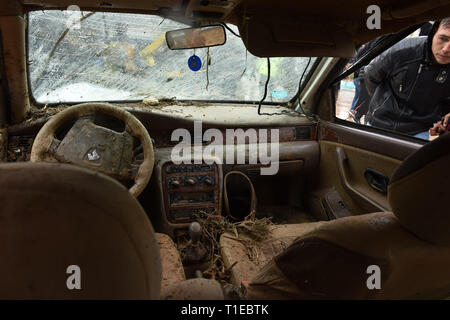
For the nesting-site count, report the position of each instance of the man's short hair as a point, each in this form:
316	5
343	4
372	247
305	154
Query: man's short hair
445	23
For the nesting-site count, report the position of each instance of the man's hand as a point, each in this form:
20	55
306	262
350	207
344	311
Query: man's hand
440	126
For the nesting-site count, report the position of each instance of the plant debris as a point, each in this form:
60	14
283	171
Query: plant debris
150	101
45	112
249	232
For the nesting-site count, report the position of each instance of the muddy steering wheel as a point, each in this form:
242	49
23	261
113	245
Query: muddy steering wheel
97	147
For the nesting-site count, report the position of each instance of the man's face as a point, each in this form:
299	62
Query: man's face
441	45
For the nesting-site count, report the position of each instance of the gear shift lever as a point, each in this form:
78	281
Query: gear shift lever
195	250
195	232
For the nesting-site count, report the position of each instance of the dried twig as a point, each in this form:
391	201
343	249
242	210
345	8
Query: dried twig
230	267
248	232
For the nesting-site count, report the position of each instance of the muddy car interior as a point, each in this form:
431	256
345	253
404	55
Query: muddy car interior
91	98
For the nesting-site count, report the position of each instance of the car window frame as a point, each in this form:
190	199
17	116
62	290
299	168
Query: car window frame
381	46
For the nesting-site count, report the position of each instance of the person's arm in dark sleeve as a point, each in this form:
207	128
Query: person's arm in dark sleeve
378	70
445	106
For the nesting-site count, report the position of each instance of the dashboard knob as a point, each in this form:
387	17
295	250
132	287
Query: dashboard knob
190	181
209	181
175	183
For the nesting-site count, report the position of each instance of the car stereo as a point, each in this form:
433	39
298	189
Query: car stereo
189	190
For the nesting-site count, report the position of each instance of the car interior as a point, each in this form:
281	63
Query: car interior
95	97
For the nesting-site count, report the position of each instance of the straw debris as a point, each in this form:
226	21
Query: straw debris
249	232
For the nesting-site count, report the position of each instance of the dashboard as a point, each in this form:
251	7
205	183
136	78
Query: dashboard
177	193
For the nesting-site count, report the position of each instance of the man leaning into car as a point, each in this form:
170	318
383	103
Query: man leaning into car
410	84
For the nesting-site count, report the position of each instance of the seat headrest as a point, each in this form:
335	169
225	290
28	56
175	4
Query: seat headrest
419	192
54	216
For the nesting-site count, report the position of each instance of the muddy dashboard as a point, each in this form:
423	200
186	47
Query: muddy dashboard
177	193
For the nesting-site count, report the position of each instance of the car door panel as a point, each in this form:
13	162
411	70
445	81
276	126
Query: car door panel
349	156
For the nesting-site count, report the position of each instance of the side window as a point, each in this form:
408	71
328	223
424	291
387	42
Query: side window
348	99
408	97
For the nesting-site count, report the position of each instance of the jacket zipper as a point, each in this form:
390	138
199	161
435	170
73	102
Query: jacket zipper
415	82
409	96
379	107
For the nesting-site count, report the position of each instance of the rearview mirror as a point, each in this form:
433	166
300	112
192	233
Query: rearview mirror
190	38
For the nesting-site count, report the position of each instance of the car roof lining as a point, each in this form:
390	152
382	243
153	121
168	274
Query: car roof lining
287	28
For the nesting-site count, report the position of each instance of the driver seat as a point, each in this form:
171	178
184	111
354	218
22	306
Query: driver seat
71	233
404	254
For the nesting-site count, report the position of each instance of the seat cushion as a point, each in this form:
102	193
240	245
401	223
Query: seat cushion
336	259
250	256
172	267
194	289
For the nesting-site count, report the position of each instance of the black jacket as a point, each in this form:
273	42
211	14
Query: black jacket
409	90
363	50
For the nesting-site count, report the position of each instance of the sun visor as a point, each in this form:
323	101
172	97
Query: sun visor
264	38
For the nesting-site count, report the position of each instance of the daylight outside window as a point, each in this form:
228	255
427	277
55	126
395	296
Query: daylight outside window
115	57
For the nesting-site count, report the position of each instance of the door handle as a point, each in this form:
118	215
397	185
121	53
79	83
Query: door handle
377	180
342	162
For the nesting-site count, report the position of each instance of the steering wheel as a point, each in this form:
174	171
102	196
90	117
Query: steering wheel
96	147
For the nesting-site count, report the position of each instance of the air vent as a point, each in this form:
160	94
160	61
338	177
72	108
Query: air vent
207	14
302	133
19	148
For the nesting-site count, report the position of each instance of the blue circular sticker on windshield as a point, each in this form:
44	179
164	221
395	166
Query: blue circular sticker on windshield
279	94
194	63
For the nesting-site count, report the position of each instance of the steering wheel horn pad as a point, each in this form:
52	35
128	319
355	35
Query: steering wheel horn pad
89	145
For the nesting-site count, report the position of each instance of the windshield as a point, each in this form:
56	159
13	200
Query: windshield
79	56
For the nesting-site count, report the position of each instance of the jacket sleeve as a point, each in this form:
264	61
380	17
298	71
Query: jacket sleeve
378	70
445	106
381	68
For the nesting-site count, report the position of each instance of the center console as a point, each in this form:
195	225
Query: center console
189	189
186	190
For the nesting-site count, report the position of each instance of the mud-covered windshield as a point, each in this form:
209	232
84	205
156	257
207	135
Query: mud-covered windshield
79	56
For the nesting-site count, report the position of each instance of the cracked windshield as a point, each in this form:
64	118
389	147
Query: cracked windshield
83	56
